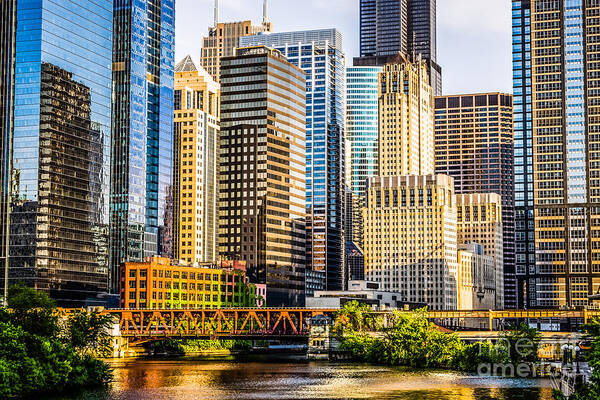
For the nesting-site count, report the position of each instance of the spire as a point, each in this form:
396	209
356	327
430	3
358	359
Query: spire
264	12
216	12
186	65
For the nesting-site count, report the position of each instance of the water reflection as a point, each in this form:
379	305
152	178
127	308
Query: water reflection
234	379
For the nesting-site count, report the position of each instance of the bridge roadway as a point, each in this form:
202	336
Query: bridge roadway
256	323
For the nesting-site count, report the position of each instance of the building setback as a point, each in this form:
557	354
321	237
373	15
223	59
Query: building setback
142	140
416	253
196	164
56	155
474	145
319	53
262	203
390	27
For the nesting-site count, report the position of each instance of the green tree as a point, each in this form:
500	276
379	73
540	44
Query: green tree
352	317
32	310
35	358
522	344
88	332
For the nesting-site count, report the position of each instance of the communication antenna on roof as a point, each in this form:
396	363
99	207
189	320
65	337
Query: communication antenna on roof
414	47
264	12
216	12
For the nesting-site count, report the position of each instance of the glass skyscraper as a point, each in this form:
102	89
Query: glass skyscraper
523	152
7	43
389	27
56	175
362	124
142	145
319	53
557	150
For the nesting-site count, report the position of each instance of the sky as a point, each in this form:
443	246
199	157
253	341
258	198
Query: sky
473	36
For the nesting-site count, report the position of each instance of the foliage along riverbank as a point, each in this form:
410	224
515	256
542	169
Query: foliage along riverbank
193	346
40	354
409	339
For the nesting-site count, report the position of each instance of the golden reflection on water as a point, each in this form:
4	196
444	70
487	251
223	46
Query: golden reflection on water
228	379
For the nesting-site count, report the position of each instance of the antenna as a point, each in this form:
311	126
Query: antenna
264	12
216	12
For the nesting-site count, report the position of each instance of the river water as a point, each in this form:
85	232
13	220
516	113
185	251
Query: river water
287	378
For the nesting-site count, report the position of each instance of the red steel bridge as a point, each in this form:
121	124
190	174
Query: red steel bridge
256	323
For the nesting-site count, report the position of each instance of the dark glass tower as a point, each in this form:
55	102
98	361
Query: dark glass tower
388	27
141	168
55	156
523	139
319	53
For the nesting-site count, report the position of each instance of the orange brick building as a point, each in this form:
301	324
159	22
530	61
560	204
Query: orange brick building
159	283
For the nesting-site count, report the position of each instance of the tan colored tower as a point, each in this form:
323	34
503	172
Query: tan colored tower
410	238
479	217
405	120
224	37
195	164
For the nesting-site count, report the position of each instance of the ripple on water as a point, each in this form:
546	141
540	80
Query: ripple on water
185	379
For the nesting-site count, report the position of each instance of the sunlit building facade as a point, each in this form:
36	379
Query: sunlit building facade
406	112
196	164
476	278
158	283
479	220
142	126
474	145
415	253
557	188
319	53
221	41
56	155
262	183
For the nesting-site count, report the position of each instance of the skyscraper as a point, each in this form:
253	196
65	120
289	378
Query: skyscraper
410	238
7	64
405	120
56	174
319	54
362	124
523	153
196	164
565	147
224	37
142	140
262	204
389	27
479	219
474	145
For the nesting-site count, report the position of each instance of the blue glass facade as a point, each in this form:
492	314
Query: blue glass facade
523	152
59	178
7	41
319	54
143	78
362	124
